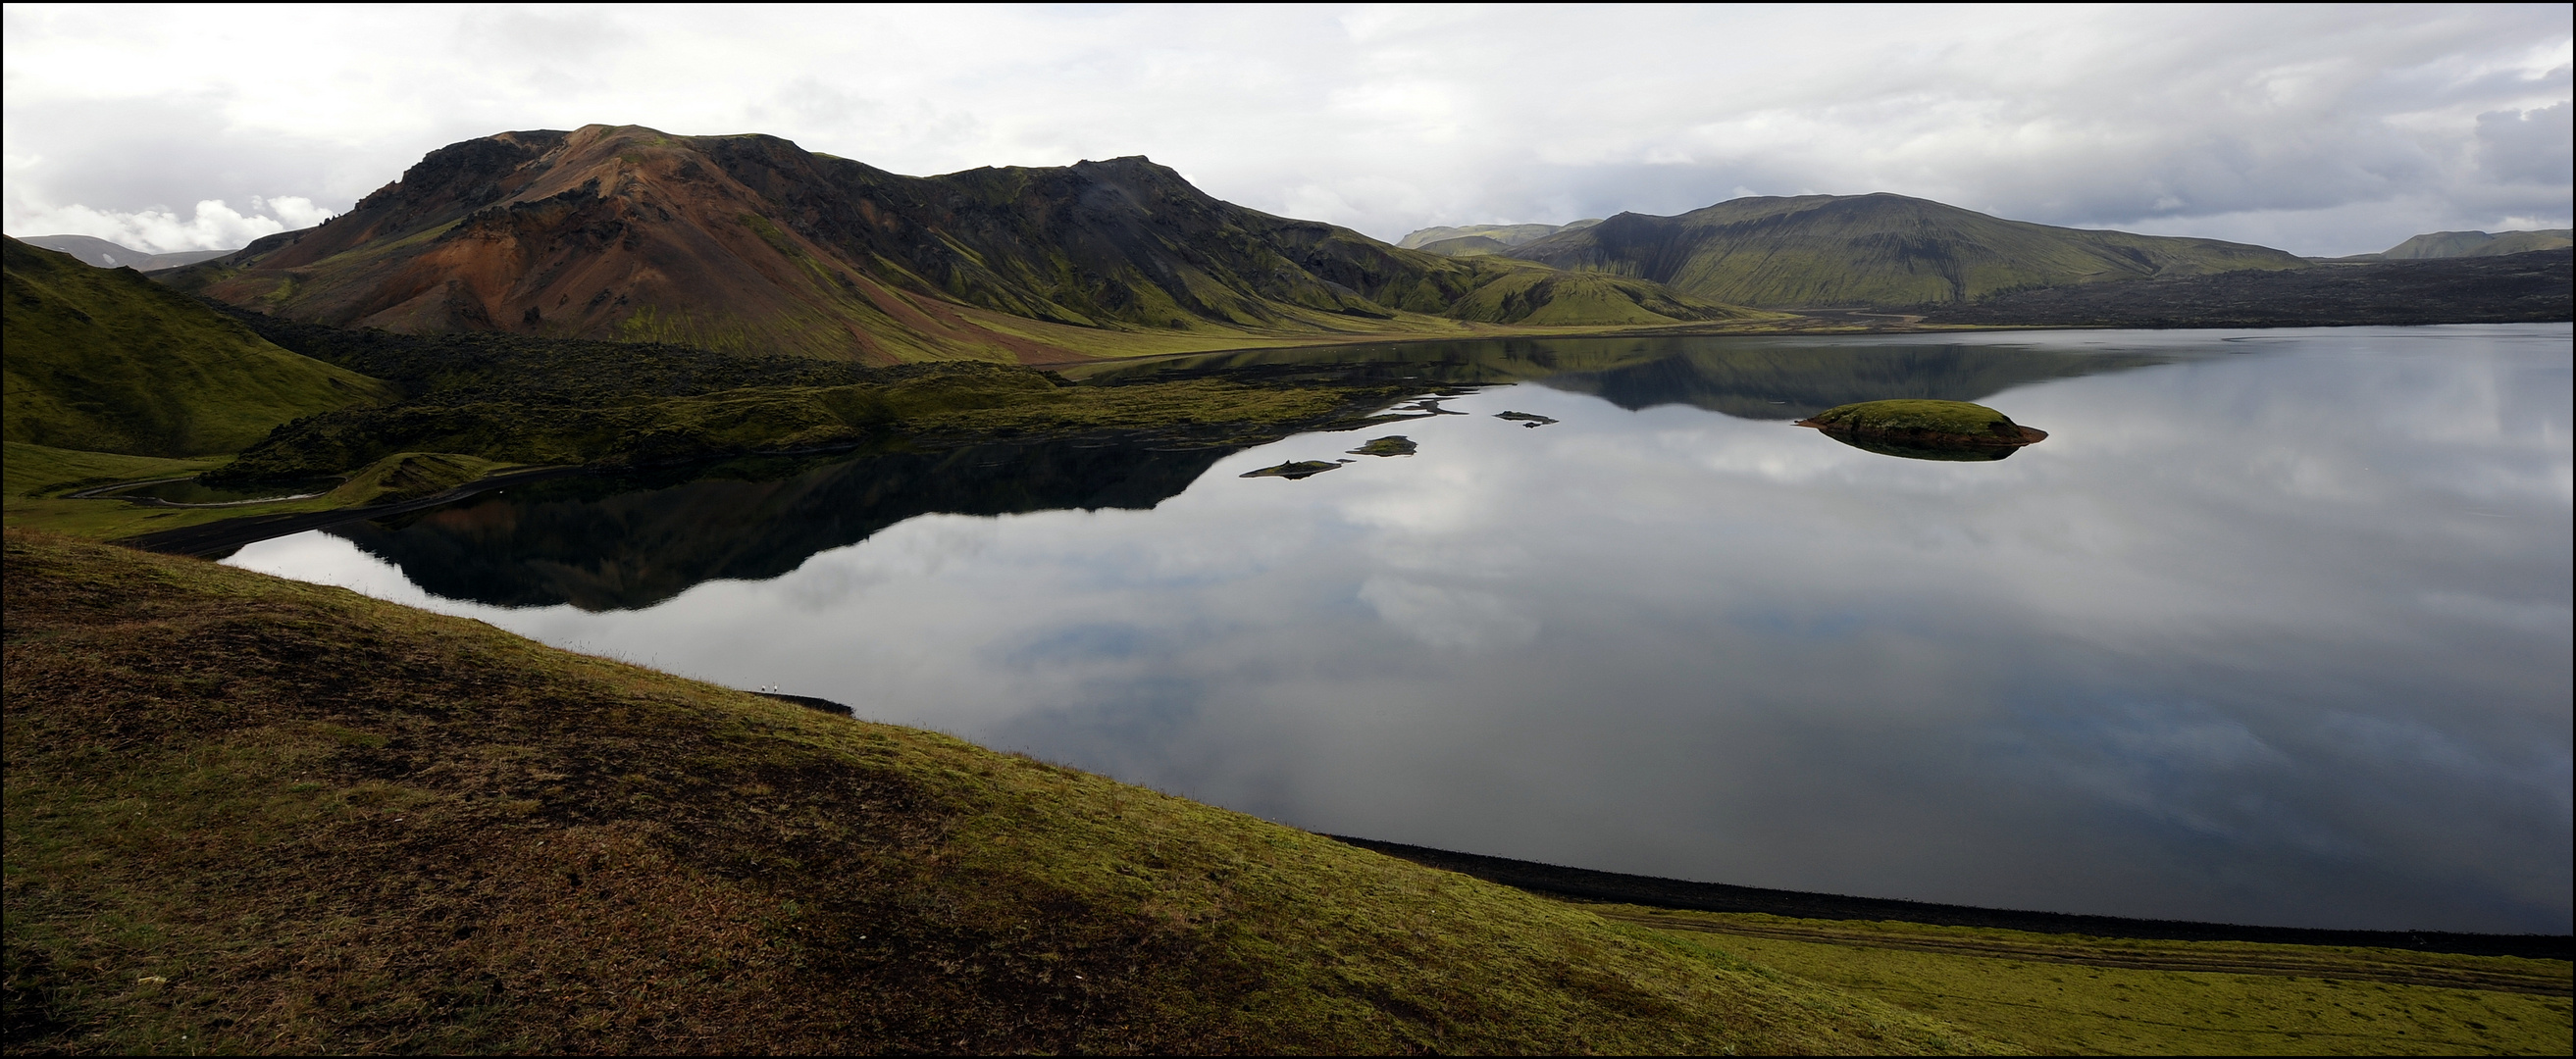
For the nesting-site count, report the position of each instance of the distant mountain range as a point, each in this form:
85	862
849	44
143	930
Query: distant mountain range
2532	286
750	243
105	254
1872	250
2470	244
1473	239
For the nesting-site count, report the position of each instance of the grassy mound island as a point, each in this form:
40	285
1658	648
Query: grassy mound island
251	814
1925	424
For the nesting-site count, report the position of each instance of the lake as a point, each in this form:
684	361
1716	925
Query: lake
2274	628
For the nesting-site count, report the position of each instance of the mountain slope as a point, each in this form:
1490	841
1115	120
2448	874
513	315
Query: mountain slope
751	244
2475	244
247	814
104	254
1505	234
105	360
1832	250
2529	287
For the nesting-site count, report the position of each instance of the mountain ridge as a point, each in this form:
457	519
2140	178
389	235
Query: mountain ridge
1875	249
2432	245
1500	234
101	253
752	244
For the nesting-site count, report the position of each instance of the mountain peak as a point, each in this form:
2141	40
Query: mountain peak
751	243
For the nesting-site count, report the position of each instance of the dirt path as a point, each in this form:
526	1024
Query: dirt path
2357	967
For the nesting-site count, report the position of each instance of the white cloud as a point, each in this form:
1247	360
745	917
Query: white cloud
2325	129
212	225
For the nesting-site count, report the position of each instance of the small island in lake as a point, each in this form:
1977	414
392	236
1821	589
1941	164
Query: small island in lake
1293	469
1390	445
1926	429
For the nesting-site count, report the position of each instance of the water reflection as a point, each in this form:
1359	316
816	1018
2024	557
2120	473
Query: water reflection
1748	377
634	541
2279	638
1981	454
637	540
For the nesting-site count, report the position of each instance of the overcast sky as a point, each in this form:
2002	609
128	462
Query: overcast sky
2322	130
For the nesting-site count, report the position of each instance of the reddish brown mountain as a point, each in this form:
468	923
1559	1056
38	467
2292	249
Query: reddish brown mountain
753	244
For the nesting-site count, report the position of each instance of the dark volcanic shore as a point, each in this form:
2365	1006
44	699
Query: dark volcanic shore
1647	890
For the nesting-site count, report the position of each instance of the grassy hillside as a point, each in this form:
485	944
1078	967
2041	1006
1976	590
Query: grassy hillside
2473	244
250	814
107	361
1829	250
2073	994
750	244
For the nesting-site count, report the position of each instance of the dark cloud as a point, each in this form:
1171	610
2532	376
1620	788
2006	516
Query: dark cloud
2529	146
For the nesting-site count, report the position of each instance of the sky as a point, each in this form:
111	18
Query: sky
2323	130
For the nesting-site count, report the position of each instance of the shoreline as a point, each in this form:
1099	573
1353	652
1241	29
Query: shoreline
1590	885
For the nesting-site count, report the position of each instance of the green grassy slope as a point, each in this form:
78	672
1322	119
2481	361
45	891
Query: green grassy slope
2070	994
250	814
1828	250
105	360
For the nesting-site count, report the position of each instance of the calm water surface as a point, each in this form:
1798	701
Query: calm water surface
2274	628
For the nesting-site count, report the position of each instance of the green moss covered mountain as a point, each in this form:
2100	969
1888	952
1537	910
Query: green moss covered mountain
754	245
2472	244
104	360
1882	250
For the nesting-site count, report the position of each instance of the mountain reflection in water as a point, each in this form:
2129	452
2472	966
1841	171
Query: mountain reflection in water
604	543
1750	378
634	541
2275	628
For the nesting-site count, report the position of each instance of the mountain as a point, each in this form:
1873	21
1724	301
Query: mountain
1467	246
2532	287
1844	250
105	254
1503	235
751	244
2470	244
107	361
